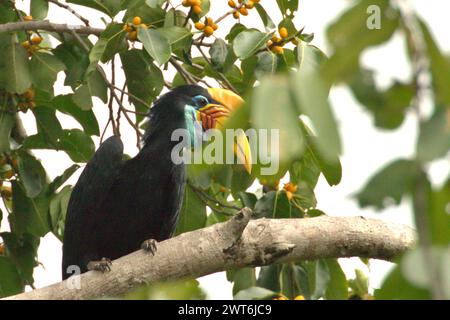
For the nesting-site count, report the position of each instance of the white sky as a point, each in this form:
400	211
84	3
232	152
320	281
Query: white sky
365	149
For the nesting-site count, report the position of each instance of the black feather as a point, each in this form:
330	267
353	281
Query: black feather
116	205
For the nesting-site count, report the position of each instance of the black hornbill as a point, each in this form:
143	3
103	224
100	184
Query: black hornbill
116	205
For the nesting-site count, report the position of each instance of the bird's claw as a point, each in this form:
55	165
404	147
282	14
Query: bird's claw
149	246
103	265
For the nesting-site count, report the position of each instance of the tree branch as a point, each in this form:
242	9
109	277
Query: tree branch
237	243
48	26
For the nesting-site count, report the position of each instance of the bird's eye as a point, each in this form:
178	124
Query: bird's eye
200	101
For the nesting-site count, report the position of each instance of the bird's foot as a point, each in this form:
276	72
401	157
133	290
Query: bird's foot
149	246
102	265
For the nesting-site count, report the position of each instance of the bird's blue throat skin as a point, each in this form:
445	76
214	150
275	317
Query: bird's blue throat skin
193	126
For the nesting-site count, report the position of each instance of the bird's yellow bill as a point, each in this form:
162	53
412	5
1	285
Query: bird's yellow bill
215	115
242	150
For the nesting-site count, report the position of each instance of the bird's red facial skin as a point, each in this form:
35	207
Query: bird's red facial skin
212	116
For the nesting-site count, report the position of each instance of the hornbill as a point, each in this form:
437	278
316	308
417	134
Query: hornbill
118	206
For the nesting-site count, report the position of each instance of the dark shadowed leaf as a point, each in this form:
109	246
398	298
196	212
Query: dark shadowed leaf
58	209
6	124
22	250
14	68
60	180
10	282
29	215
338	287
86	118
434	136
32	174
192	214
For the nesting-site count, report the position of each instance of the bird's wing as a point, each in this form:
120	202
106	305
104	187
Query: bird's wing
88	194
174	192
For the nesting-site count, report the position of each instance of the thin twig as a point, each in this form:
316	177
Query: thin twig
76	14
123	91
207	196
226	82
420	65
116	130
111	88
183	72
48	26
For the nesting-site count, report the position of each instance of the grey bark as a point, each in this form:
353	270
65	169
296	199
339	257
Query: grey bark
237	243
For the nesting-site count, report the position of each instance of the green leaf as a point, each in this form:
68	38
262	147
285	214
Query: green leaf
434	136
248	199
29	215
22	250
149	16
58	209
267	63
311	97
388	107
60	180
218	53
389	184
254	293
269	277
157	46
110	7
38	9
76	60
95	86
154	3
32	174
10	282
309	57
144	79
78	145
15	68
359	285
86	118
192	214
179	38
288	7
306	170
44	70
438	214
273	204
329	165
48	124
169	290
322	279
350	35
110	42
439	65
272	97
6	125
246	43
242	279
265	18
396	287
337	287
